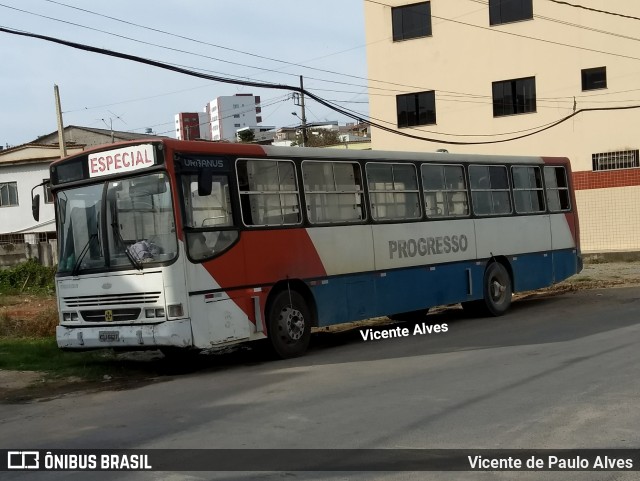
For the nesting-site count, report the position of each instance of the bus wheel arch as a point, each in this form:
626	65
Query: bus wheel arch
497	289
290	313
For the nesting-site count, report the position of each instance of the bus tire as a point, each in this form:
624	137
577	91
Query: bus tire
497	292
289	324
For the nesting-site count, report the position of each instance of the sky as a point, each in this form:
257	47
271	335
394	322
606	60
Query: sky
250	39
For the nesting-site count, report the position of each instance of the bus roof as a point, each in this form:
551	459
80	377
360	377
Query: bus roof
254	150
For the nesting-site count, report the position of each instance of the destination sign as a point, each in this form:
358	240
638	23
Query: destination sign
117	161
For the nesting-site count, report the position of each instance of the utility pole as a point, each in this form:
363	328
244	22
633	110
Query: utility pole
304	115
63	146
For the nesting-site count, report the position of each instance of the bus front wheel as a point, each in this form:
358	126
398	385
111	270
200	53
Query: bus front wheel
289	324
497	292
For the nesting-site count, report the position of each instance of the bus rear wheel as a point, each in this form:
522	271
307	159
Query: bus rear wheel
497	292
289	324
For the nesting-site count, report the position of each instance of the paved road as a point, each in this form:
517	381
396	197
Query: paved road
555	372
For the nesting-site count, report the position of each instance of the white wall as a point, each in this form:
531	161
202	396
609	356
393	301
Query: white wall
227	110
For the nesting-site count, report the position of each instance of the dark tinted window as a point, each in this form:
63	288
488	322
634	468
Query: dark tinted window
527	189
416	109
411	21
489	189
594	78
517	96
557	189
505	11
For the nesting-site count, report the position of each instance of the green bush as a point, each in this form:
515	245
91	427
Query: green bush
28	277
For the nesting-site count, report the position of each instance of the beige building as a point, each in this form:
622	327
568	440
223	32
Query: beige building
490	76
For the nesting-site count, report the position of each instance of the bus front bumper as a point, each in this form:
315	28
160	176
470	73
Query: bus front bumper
148	336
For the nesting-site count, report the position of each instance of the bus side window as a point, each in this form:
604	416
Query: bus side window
393	191
490	189
445	190
557	189
268	192
333	191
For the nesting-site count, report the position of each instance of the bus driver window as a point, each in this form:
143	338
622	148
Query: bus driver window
210	214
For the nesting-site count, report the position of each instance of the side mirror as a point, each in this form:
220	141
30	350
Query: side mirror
205	179
35	207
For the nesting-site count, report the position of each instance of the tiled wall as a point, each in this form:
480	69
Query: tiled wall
605	179
609	217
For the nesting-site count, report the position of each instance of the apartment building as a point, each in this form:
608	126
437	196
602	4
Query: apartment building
229	114
522	77
192	125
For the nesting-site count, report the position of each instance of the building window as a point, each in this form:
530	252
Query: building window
445	190
393	191
625	159
8	194
333	191
268	192
528	192
594	78
555	179
517	96
506	11
48	196
416	109
489	189
411	21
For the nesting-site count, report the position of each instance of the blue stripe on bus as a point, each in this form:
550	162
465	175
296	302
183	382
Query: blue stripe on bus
362	296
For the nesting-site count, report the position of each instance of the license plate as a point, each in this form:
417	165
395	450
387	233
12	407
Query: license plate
109	336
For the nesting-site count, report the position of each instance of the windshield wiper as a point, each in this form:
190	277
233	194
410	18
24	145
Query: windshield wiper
83	252
134	262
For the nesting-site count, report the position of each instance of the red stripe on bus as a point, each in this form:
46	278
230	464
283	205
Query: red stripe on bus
265	257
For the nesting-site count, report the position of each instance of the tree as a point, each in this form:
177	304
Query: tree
318	138
246	136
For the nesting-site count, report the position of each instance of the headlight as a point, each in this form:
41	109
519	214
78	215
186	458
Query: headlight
175	310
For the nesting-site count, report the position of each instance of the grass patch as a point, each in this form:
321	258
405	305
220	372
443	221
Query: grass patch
40	322
582	279
44	355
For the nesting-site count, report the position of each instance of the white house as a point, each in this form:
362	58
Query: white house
21	169
25	166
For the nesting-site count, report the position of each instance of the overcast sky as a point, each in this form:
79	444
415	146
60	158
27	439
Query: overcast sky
97	90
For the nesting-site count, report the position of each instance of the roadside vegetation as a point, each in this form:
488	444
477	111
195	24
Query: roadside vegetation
28	319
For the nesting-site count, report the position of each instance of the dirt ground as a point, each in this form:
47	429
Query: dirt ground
27	386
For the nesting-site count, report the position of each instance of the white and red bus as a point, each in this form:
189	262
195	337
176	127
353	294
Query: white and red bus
196	245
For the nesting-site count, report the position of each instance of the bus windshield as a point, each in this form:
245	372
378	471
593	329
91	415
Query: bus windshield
123	223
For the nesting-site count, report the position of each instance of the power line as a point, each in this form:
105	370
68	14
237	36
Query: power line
570	24
342	74
607	12
332	106
442	92
513	34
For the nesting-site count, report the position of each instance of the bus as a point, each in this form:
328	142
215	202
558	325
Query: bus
193	245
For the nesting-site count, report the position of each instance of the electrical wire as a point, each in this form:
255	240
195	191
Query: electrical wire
330	105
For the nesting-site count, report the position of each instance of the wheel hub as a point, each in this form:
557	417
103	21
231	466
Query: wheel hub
294	322
497	289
